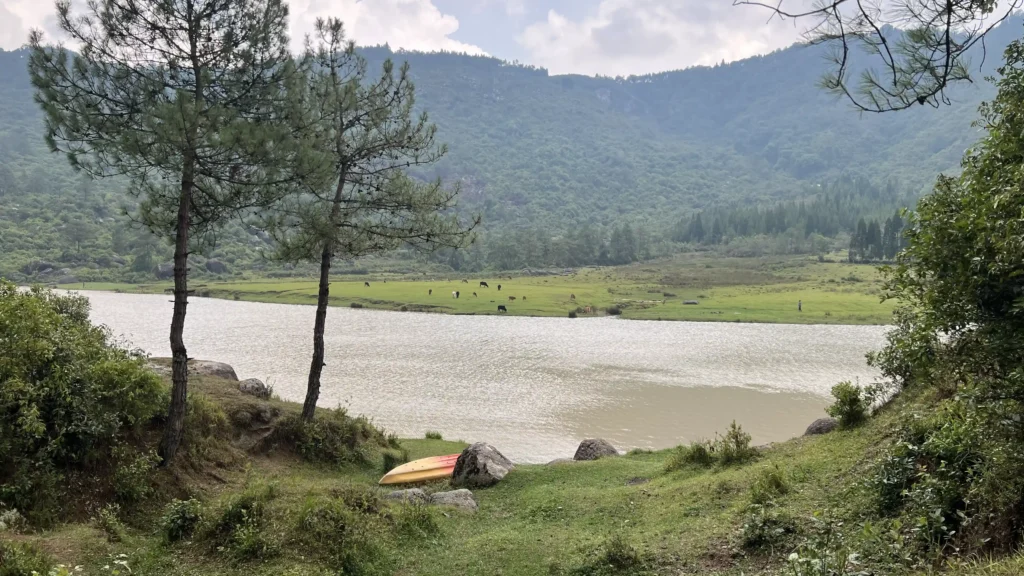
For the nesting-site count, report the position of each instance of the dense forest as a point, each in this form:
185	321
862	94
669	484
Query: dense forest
564	170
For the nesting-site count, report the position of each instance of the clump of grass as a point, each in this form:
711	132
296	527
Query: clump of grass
393	458
238	528
615	556
18	559
770	484
433	435
696	454
349	541
181	518
331	438
765	527
355	305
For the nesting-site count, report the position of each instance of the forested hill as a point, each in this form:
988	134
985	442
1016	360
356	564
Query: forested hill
551	153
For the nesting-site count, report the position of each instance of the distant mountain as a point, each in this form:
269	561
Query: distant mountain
555	152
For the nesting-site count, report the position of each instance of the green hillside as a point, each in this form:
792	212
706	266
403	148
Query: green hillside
556	165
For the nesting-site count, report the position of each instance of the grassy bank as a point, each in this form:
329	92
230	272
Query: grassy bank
624	515
728	290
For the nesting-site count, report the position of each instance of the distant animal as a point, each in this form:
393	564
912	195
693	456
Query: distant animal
499	287
430	292
511	298
457	294
474	295
454	294
588	310
465	281
524	298
572	297
367	284
690	302
501	308
484	285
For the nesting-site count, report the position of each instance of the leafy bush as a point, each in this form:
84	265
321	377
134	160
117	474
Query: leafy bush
850	407
238	528
66	393
17	559
696	454
769	485
765	527
331	438
181	518
433	435
349	541
109	522
132	473
11	520
734	447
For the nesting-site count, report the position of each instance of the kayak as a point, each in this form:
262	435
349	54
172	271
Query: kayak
422	470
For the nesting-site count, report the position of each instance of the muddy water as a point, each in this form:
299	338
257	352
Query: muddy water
533	387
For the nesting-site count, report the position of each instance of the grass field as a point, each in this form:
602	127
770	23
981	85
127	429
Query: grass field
729	290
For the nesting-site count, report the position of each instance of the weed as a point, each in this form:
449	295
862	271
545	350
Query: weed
615	556
769	485
17	559
734	447
331	438
765	527
351	542
696	454
11	520
181	518
133	473
355	305
415	522
433	435
108	520
850	407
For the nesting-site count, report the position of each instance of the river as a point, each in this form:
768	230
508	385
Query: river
533	387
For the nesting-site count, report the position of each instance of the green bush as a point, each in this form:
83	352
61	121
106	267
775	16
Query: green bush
769	485
132	473
206	426
350	541
433	435
416	522
850	407
696	454
108	520
18	559
238	528
765	527
734	447
66	393
331	438
615	556
392	459
181	518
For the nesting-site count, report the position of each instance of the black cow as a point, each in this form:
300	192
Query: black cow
499	287
367	284
501	308
465	281
430	292
484	285
474	295
456	294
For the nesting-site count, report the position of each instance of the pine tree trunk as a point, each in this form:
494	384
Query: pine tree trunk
316	366
179	367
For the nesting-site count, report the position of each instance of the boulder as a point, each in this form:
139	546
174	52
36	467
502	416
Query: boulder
459	498
164	271
216	267
210	368
411	496
822	426
561	461
594	448
480	465
254	387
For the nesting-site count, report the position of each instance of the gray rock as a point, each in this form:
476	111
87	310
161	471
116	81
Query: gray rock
210	368
216	266
411	496
480	465
561	461
254	387
822	426
594	448
459	498
67	280
164	271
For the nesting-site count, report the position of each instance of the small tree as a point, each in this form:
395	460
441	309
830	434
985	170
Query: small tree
179	96
364	135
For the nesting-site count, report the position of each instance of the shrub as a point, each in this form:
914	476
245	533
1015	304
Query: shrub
331	438
850	407
393	458
433	435
132	473
349	541
17	559
769	485
181	518
613	310
355	305
205	426
11	520
66	392
416	521
572	314
696	454
734	447
108	520
238	528
764	527
615	556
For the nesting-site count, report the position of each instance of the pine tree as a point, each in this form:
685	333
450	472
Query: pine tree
179	96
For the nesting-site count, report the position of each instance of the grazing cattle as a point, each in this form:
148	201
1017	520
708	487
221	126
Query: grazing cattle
501	308
511	298
474	295
465	281
367	284
588	310
524	298
430	292
457	294
453	294
484	285
499	287
572	297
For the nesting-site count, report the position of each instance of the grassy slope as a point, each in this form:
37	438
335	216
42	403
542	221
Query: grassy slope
538	518
729	289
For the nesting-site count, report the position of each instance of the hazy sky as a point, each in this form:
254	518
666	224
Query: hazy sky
611	37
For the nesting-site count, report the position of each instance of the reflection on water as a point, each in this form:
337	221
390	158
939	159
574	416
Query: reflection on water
533	387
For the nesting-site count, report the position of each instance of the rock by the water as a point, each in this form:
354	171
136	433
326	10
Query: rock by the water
410	496
254	387
216	266
210	368
459	498
594	448
822	426
480	465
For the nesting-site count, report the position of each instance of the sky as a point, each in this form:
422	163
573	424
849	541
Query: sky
607	37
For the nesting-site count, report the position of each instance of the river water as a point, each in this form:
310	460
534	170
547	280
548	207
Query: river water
533	387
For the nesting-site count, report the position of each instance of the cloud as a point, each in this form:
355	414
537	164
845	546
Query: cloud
409	24
626	37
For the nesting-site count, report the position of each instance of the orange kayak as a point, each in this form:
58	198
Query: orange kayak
422	470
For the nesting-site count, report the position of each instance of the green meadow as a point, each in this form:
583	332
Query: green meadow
726	289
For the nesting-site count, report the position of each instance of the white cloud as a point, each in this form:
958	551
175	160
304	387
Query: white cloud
626	37
409	24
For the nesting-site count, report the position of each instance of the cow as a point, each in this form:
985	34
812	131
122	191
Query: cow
572	297
524	298
457	294
464	281
484	285
474	295
367	284
511	298
501	308
499	287
430	292
588	310
453	294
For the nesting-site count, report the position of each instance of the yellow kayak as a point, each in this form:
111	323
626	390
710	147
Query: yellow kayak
422	470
